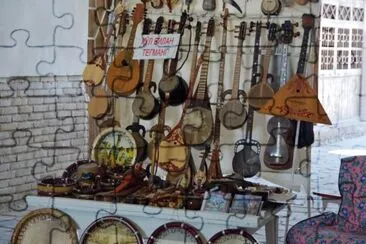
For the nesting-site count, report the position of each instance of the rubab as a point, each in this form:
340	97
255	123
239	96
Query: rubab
277	154
198	122
233	113
260	93
214	170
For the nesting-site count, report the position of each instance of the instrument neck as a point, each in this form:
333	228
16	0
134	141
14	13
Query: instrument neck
284	64
130	47
194	69
265	62
201	92
304	47
235	89
149	74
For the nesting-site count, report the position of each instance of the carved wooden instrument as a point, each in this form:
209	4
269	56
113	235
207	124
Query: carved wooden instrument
260	93
233	113
138	132
171	83
277	154
200	177
214	170
145	105
95	69
246	162
198	122
271	7
123	75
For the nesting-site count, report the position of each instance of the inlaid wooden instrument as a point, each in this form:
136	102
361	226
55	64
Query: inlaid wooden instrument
198	122
260	93
233	113
145	105
278	154
123	75
171	83
246	162
214	170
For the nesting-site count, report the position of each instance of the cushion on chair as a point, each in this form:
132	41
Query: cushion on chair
349	226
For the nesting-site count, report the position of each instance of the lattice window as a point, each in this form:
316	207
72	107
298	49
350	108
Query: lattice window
357	36
356	59
344	13
327	59
329	11
343	37
358	14
328	36
342	59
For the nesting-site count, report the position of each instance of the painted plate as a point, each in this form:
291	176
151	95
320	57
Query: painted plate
114	147
110	230
44	226
232	236
176	232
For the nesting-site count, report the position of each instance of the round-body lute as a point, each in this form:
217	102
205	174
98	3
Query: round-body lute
98	105
233	114
145	105
177	88
246	162
271	7
197	125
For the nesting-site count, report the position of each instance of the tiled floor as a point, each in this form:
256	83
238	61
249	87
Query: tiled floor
325	167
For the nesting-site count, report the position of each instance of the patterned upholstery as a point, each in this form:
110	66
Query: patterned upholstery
349	225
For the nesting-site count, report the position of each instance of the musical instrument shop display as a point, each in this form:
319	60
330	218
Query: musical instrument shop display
164	77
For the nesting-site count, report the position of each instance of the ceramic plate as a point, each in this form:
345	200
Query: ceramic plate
44	226
175	232
114	147
232	236
110	230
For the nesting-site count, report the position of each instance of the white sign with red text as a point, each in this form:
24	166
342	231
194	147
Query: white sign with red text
163	46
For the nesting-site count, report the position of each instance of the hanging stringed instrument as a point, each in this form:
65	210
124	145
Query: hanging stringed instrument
233	113
198	122
214	170
95	69
171	83
246	162
123	75
145	105
260	93
278	154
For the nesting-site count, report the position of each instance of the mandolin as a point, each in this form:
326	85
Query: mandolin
278	154
260	93
246	162
233	113
145	105
123	75
198	122
171	83
214	170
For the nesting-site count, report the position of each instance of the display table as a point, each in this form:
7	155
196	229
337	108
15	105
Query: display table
148	218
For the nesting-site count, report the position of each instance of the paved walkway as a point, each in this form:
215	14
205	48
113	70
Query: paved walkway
324	178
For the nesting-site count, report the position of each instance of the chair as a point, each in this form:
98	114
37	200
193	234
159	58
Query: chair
349	225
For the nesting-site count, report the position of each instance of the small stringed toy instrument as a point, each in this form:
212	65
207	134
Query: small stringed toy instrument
145	105
123	74
246	162
260	93
233	113
277	154
171	83
198	122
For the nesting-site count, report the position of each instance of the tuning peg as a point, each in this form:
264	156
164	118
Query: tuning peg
296	34
296	24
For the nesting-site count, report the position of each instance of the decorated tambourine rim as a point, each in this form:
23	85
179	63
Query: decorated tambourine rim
29	222
114	147
239	233
102	224
191	230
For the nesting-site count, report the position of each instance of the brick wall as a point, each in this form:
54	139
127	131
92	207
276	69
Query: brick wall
43	121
